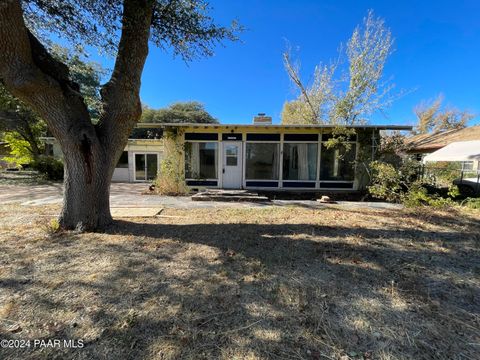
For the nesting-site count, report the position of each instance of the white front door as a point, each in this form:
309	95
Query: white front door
232	165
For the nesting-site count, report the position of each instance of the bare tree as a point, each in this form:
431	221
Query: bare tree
433	117
311	107
350	98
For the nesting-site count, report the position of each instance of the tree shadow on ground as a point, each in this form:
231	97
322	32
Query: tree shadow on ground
228	290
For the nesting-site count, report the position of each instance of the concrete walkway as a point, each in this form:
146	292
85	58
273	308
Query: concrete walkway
133	195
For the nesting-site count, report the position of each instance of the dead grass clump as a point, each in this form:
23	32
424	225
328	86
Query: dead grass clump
275	282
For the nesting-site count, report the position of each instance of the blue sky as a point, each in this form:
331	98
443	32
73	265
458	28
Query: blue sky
437	50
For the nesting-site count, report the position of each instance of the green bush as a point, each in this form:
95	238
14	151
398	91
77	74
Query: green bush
386	182
403	185
417	195
48	166
472	203
389	182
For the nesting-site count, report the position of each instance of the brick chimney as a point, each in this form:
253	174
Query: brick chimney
262	119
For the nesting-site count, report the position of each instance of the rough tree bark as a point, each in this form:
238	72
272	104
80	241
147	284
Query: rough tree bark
90	151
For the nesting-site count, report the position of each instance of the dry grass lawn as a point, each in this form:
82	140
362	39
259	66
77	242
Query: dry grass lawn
272	283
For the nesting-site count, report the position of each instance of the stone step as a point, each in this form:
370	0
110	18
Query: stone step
221	192
229	195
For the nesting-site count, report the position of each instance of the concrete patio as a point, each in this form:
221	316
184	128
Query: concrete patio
134	195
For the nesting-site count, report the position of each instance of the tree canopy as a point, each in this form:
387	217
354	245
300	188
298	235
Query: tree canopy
124	28
433	116
179	112
349	97
183	26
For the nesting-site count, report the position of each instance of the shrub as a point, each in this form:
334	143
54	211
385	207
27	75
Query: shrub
171	178
52	227
48	166
404	186
453	191
386	182
472	203
417	195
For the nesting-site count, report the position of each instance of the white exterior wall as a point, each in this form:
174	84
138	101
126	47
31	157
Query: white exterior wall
121	174
138	146
57	151
151	146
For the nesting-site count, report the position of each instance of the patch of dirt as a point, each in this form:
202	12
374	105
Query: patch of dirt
277	282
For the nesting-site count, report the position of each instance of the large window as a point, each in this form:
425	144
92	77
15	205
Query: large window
467	165
262	161
338	164
201	160
299	161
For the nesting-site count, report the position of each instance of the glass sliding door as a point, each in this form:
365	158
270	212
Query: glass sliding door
146	166
151	166
140	167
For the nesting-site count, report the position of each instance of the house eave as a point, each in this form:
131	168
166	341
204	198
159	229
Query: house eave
269	126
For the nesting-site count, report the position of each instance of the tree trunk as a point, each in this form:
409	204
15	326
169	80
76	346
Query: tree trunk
86	200
90	151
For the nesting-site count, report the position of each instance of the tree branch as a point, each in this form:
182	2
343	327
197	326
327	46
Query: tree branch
296	80
30	73
121	94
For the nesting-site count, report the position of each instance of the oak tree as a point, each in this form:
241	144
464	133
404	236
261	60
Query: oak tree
178	112
23	128
122	27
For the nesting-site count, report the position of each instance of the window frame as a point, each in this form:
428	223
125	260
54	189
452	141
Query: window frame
470	167
320	180
127	163
267	182
218	164
317	162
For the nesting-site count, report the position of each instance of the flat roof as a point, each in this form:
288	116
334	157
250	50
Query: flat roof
272	126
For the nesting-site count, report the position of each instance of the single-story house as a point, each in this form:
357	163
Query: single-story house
423	144
465	152
257	156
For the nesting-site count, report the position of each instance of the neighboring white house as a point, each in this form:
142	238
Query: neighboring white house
468	154
460	151
465	152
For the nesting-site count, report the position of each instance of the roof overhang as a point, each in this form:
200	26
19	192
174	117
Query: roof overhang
51	140
270	126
